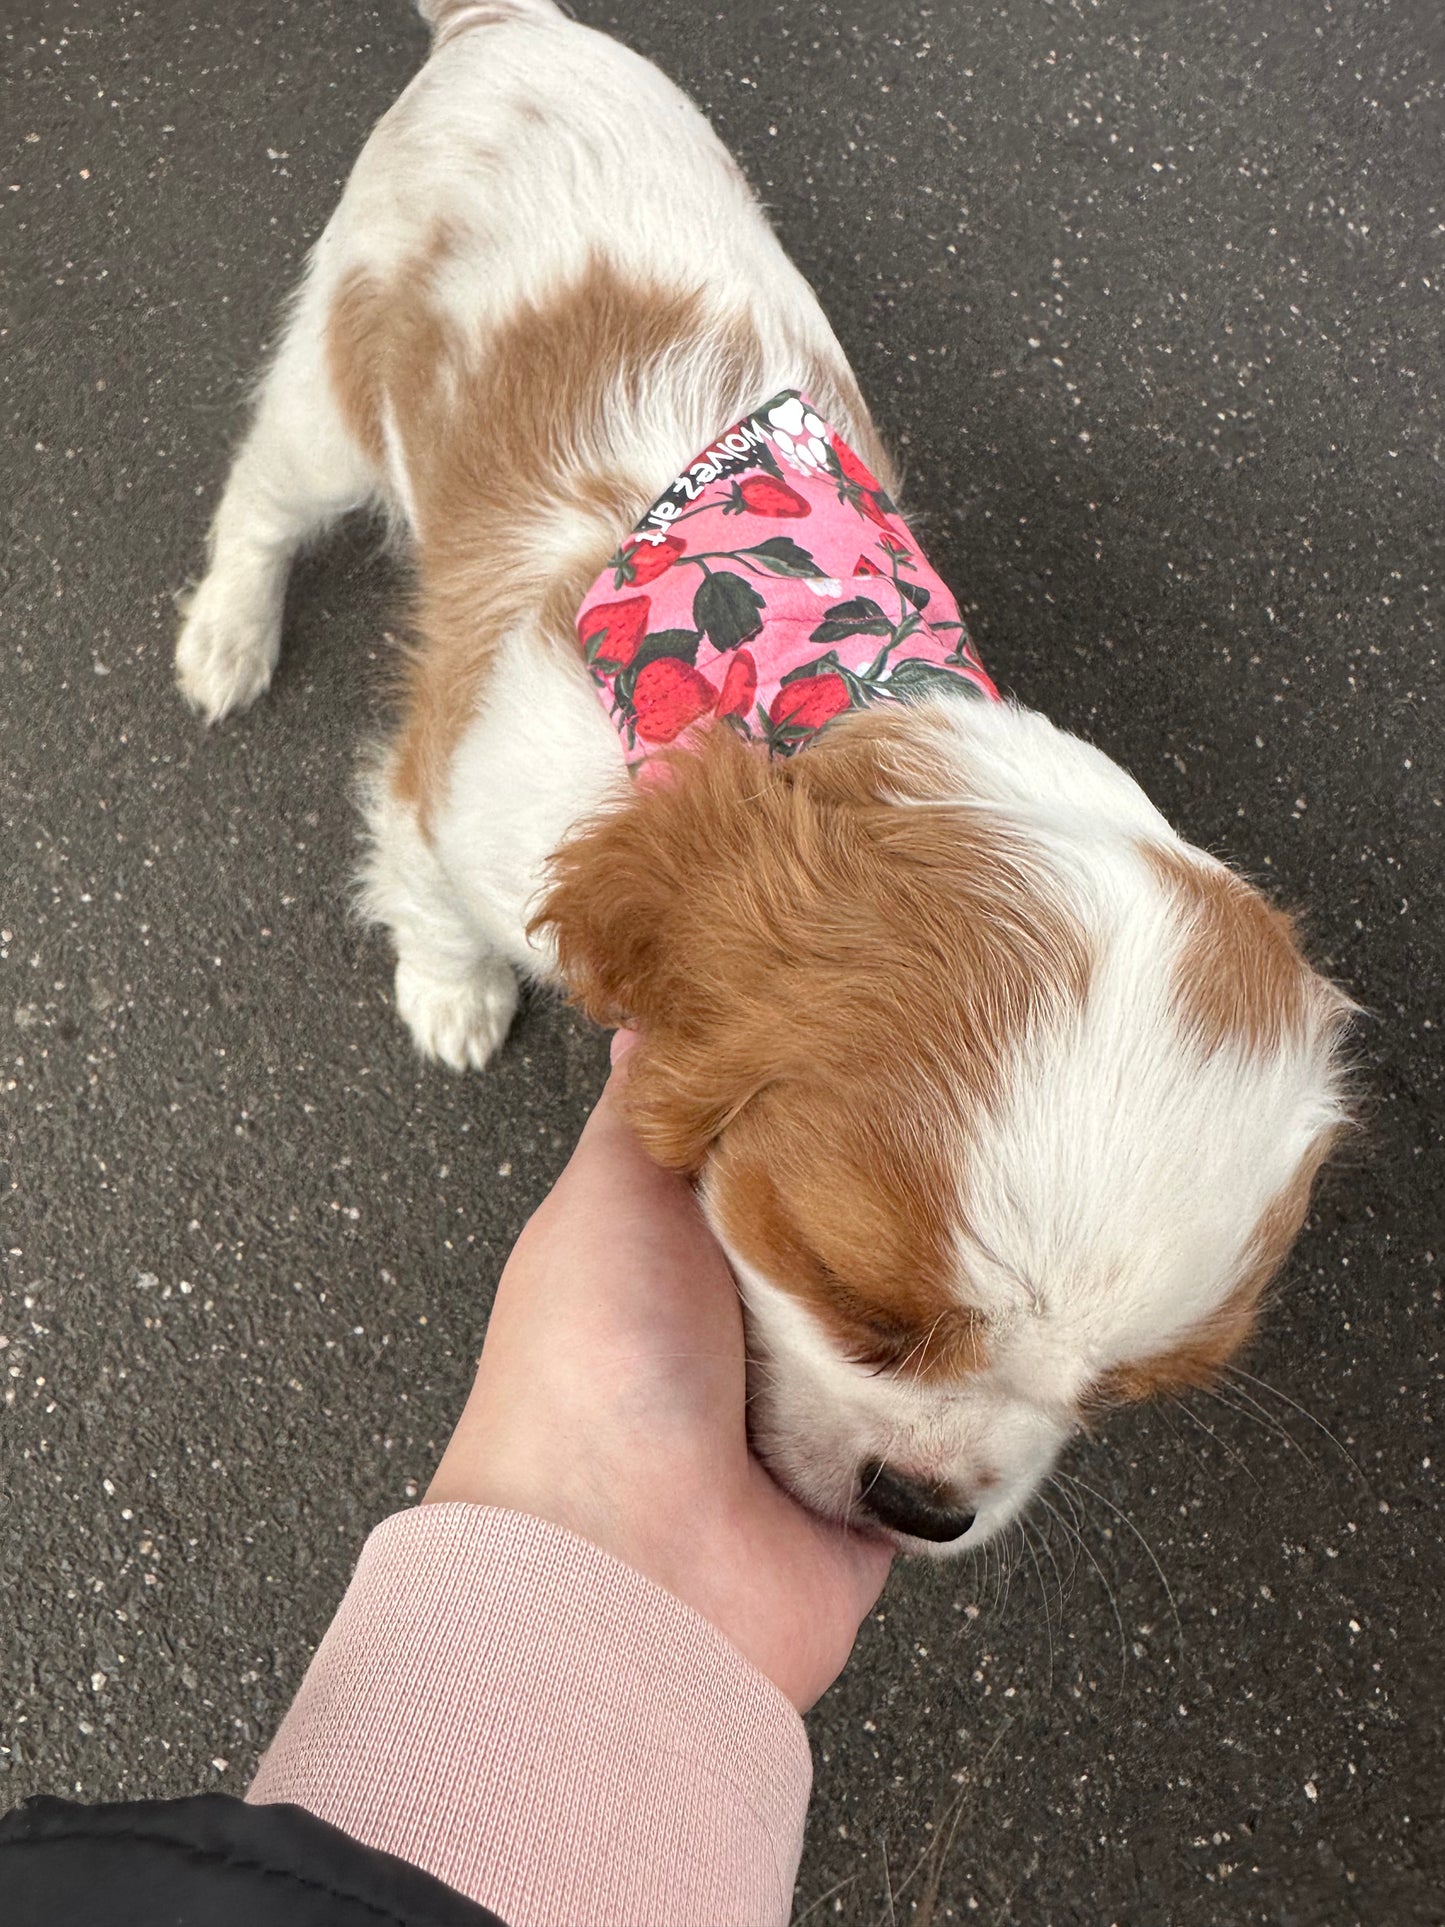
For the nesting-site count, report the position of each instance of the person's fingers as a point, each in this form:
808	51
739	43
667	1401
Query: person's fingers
869	1562
618	1225
618	1286
860	1561
608	1153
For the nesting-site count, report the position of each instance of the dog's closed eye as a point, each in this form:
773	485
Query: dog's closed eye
884	1341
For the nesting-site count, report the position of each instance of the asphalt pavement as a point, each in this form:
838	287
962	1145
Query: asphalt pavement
1149	301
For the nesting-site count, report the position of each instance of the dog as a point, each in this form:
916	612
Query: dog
1004	1102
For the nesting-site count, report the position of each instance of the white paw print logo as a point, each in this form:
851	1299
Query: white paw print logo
800	436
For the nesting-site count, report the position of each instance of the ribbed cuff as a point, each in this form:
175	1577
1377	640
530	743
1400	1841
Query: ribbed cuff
507	1706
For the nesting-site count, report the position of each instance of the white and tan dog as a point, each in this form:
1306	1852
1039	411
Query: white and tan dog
1004	1101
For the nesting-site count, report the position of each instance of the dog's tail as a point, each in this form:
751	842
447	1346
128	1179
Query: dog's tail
449	17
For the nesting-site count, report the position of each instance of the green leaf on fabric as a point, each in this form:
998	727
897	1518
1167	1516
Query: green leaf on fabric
839	631
728	609
783	557
818	667
913	678
860	609
859	617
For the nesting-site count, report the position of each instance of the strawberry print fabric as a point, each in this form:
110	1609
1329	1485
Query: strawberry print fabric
771	588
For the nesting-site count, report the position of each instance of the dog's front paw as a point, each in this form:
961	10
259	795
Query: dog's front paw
458	1020
228	646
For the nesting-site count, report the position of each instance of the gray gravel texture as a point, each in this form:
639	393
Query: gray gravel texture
1149	300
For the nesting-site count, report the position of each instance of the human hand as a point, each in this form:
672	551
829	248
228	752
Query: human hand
611	1399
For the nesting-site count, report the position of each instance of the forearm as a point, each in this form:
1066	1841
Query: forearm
547	1731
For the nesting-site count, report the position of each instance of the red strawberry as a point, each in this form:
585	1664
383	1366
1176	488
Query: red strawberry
894	546
646	561
864	567
667	696
740	685
874	511
810	702
766	495
852	468
610	631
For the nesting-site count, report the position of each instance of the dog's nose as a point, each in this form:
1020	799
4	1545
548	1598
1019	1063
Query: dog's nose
912	1506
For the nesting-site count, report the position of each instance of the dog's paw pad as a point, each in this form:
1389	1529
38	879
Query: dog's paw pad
226	652
457	1021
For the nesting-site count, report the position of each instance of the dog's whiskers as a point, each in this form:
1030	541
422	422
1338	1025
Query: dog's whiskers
1238	1372
1041	1533
1223	1444
1250	1408
1103	1576
1043	1595
1124	1518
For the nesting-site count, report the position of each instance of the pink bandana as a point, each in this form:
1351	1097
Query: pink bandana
773	633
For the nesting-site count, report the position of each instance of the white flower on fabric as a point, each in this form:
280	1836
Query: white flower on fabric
826	587
788	415
800	436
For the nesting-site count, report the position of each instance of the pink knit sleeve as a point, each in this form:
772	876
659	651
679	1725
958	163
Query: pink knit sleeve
555	1736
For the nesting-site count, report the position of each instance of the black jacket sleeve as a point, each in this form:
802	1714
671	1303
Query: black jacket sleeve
210	1861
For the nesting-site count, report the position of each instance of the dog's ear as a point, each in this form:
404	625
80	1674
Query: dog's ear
610	910
640	896
654	910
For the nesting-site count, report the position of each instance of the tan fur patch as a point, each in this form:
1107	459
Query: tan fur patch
509	446
386	344
1241	981
831	982
355	351
497	445
491	429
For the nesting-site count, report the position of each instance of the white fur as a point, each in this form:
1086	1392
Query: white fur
1108	1201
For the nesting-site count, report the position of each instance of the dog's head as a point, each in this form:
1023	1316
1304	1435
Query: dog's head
1004	1102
